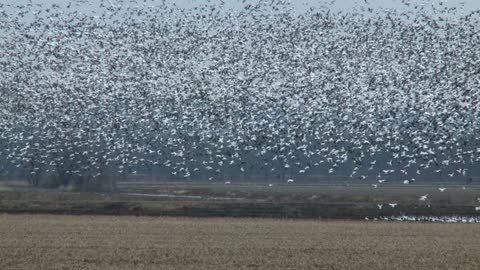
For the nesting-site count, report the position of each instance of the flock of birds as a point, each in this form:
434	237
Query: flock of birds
437	219
226	94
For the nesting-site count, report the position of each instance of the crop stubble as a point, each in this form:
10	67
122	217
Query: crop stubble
110	242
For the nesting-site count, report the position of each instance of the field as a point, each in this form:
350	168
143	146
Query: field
165	226
112	242
246	200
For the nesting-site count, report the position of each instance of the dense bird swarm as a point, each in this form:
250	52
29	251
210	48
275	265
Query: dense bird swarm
211	92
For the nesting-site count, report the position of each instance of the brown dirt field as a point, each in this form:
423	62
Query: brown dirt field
112	242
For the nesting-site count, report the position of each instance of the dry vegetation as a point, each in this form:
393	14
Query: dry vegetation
106	242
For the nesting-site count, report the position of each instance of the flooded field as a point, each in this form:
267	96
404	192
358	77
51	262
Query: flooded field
248	200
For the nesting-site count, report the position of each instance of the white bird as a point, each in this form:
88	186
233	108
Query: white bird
442	189
406	182
423	197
